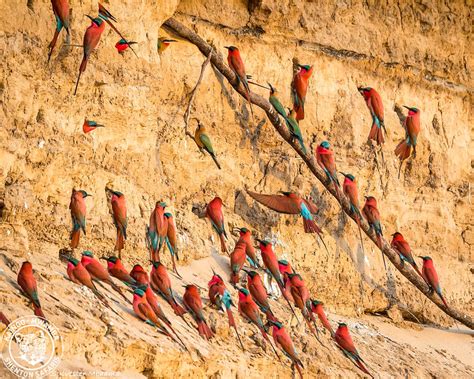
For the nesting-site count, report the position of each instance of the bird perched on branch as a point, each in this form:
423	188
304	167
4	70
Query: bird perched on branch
237	65
61	14
349	188
401	246
299	88
375	105
431	277
204	143
325	159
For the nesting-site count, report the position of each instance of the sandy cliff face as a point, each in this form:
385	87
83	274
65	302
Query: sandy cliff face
413	53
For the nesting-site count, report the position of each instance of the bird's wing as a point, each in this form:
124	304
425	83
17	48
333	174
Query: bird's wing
377	106
311	206
206	141
278	203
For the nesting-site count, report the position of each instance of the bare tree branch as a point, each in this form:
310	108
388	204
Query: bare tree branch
264	104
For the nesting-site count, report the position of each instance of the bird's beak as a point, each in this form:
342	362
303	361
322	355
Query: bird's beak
340	172
91	18
258	240
170	40
227	47
131	43
404	106
271	87
248	272
366	197
88	195
420	256
103	258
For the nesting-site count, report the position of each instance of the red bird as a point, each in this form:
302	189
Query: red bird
161	283
325	159
302	300
350	190
237	260
375	105
117	270
26	280
237	65
90	125
299	87
215	215
119	210
431	278
78	215
412	129
372	215
317	308
158	230
123	45
79	275
259	293
290	203
193	303
98	272
285	269
221	298
246	237
345	343
248	309
172	240
91	40
283	341
61	13
139	275
404	251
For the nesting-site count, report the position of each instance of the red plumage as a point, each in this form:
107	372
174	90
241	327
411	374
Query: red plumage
283	341
26	280
237	260
299	88
216	216
375	105
317	308
431	278
139	275
193	303
119	210
61	12
344	341
160	282
78	215
412	129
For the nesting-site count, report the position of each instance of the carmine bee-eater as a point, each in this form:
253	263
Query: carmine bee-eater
372	215
98	272
412	129
291	203
349	188
155	306
163	43
204	143
78	215
221	298
139	275
325	159
302	300
119	213
158	230
237	260
172	240
117	270
283	341
216	216
246	237
123	45
375	105
237	65
299	87
90	125
401	246
61	14
248	309
161	283
26	280
295	129
431	277
193	303
345	343
285	268
79	275
271	263
144	311
259	293
90	42
317	308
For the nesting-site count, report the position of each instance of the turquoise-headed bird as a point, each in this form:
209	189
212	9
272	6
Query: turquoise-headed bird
299	88
375	105
431	278
78	215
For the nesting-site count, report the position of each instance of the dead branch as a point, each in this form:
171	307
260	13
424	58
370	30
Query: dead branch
264	104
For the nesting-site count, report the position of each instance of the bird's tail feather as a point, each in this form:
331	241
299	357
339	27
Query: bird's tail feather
376	134
75	236
403	150
216	161
310	226
223	246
